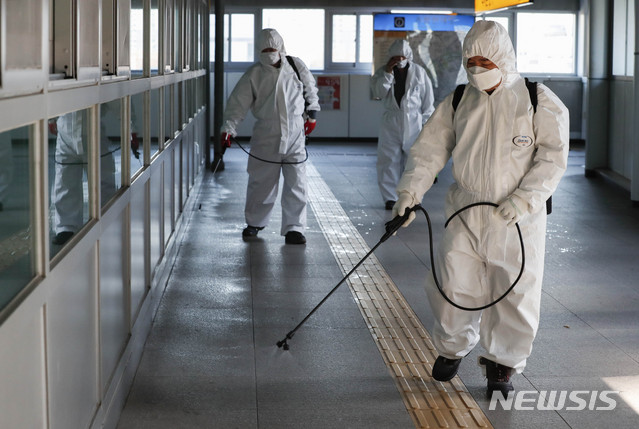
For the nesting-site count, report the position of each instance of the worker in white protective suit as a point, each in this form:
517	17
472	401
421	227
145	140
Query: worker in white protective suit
407	94
276	96
504	153
68	196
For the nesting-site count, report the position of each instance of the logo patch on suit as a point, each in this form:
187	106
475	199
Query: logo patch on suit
522	141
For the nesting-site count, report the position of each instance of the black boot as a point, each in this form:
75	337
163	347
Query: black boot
294	237
61	238
251	231
498	376
445	369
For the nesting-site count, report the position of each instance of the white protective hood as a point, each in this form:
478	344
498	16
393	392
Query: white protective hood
490	40
270	38
400	48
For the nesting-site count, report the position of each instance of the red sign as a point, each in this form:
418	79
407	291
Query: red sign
328	92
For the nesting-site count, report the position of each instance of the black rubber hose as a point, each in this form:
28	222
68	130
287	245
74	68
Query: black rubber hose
266	160
391	228
432	258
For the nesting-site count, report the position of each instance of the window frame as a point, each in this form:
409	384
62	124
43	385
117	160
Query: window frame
358	67
365	68
237	66
515	24
622	57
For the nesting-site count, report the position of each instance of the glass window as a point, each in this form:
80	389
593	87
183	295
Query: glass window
68	176
187	33
546	42
630	37
623	39
88	28
169	196
110	150
168	36
242	30
156	132
344	38
137	38
178	115
137	133
168	115
365	38
16	243
61	59
155	37
200	36
176	179
24	24
302	31
108	38
177	35
352	39
123	38
212	37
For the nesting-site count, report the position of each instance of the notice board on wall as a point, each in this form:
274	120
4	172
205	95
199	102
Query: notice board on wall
328	91
436	42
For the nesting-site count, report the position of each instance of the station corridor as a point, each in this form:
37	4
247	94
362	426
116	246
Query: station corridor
363	359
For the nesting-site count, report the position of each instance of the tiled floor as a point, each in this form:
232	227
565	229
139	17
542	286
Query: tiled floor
211	360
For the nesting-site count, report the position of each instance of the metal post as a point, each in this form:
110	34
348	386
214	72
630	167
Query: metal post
634	178
598	72
207	84
218	96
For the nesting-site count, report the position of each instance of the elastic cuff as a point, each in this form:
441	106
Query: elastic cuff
312	114
414	200
512	203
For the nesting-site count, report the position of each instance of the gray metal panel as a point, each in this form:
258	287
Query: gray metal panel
63	46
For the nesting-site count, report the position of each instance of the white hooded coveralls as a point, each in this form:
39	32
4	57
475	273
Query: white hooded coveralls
71	152
276	98
498	148
401	124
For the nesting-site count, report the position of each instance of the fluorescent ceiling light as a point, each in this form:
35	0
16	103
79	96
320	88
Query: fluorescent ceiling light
432	12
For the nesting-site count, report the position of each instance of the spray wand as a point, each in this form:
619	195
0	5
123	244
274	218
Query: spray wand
391	227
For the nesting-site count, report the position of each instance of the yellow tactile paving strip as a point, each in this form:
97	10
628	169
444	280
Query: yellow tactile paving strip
401	338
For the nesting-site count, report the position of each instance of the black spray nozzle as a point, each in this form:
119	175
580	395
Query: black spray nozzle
283	344
394	224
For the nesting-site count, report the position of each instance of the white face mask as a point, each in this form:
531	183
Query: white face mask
483	78
269	58
402	64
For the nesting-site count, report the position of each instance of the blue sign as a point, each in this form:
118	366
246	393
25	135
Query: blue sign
422	22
